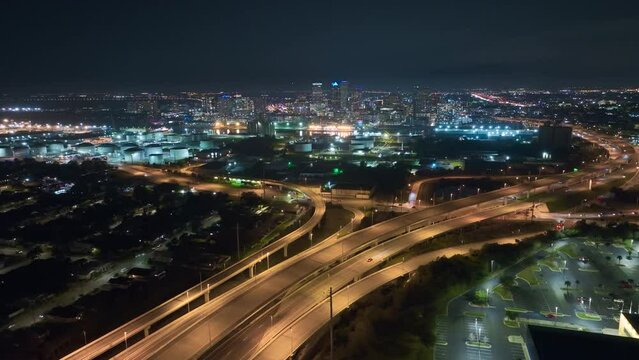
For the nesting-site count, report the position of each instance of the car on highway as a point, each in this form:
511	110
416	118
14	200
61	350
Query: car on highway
369	259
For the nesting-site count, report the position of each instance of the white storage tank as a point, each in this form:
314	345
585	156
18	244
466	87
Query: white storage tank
21	151
127	145
303	147
174	138
133	155
153	149
156	159
179	153
55	148
85	148
107	148
5	151
38	149
158	136
207	144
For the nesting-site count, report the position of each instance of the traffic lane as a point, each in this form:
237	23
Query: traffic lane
450	205
263	291
305	326
514	189
341	275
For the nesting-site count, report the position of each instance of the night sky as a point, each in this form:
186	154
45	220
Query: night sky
245	44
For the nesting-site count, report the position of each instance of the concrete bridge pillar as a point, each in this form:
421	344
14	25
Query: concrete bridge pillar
147	331
252	271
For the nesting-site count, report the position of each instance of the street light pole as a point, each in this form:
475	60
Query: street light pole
126	344
237	238
330	321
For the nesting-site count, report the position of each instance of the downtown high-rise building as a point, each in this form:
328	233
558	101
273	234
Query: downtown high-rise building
424	106
318	99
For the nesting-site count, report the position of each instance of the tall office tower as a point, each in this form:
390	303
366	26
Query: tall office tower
208	104
260	103
242	106
422	106
333	96
344	95
224	104
318	99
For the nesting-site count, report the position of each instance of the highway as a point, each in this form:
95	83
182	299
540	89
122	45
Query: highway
177	336
289	338
180	338
144	321
246	343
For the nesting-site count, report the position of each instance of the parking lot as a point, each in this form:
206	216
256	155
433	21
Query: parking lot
573	284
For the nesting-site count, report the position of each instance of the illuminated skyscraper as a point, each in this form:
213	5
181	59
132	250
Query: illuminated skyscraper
318	99
344	95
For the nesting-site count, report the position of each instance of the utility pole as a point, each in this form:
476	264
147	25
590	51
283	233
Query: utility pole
237	237
330	321
263	184
532	212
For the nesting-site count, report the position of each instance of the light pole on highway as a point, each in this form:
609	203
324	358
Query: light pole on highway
291	342
237	238
451	196
85	336
479	341
188	302
330	319
126	344
556	314
268	263
209	327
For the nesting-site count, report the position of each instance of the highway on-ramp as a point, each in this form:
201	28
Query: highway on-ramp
247	342
290	337
144	321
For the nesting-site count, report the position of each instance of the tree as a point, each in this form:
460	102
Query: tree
508	281
577	284
608	258
567	283
250	198
619	257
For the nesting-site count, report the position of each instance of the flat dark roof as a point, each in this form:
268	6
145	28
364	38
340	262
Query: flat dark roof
552	343
633	319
